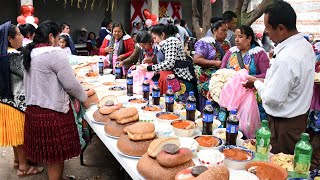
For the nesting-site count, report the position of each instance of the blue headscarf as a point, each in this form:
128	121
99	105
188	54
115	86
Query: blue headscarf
5	83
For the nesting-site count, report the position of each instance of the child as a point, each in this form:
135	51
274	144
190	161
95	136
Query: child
92	44
64	44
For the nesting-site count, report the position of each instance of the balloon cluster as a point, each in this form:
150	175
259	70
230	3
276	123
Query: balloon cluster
27	15
151	19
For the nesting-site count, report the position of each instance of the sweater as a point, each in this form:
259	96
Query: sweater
50	80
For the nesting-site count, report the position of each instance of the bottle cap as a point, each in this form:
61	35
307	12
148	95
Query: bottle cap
264	123
208	102
145	78
170	87
129	72
233	111
305	136
156	83
191	93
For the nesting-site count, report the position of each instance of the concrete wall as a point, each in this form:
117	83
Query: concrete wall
308	17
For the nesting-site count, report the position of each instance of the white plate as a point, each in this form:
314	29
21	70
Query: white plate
241	175
114	137
128	156
98	122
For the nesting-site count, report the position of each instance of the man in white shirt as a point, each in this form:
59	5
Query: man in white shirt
287	89
184	36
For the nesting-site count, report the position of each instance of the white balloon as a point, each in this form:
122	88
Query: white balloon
30	19
148	22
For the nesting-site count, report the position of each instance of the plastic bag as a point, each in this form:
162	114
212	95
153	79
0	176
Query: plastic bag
248	115
138	78
235	96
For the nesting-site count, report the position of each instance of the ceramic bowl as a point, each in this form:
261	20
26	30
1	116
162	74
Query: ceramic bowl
151	109
237	164
211	157
190	143
220	143
137	102
107	71
182	132
118	90
163	130
160	119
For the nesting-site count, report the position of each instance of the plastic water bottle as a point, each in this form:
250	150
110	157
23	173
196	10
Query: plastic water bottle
129	84
302	157
191	107
169	99
263	136
232	127
207	119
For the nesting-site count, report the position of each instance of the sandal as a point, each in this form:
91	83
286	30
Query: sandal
15	164
30	171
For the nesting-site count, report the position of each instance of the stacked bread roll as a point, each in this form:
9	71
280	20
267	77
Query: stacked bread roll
107	105
204	173
92	96
164	159
119	119
136	140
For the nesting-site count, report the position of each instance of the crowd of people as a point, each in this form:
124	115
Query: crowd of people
38	89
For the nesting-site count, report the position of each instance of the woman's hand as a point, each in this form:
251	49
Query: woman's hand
147	60
143	67
120	58
120	63
108	49
250	83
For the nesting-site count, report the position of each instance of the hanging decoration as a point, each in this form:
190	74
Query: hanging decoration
27	16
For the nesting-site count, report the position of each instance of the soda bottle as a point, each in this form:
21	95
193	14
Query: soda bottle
232	127
156	94
101	66
207	119
222	117
118	71
169	99
191	107
146	88
302	157
263	136
129	84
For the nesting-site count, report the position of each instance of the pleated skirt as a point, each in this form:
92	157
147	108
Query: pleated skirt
11	126
50	136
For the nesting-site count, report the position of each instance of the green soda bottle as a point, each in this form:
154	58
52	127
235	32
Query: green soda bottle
263	136
302	157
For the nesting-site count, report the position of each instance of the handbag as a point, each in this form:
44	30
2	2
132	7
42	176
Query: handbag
240	60
174	83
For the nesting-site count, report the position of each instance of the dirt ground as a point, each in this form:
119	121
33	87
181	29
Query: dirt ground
99	165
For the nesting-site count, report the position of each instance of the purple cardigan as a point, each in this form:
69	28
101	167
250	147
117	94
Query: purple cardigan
261	60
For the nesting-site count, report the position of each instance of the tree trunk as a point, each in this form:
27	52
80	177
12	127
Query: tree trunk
195	20
206	16
227	5
237	10
257	13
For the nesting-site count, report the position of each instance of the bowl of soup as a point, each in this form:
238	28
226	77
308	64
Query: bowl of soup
237	157
167	117
137	102
183	128
209	142
266	170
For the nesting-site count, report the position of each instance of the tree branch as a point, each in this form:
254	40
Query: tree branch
206	15
255	14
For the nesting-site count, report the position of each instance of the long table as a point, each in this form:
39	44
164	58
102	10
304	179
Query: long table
129	164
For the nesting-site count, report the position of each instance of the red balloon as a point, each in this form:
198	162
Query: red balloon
146	14
21	19
27	10
36	20
153	17
155	23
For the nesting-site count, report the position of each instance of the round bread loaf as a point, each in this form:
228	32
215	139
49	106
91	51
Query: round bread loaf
115	129
132	148
172	160
140	131
149	168
100	117
216	173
